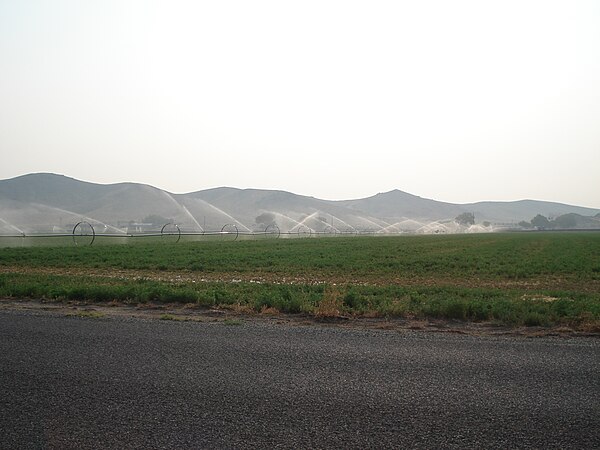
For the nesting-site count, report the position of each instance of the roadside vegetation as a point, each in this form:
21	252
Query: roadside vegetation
531	279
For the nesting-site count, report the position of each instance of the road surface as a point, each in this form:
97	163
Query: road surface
69	382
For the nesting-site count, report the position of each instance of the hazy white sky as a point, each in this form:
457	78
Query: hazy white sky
453	100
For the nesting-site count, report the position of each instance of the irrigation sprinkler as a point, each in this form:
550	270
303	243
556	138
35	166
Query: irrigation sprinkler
168	233
273	229
304	231
81	226
230	226
330	230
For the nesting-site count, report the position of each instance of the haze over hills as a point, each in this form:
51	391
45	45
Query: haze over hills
46	202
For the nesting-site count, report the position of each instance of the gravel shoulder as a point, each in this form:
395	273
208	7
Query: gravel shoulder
192	313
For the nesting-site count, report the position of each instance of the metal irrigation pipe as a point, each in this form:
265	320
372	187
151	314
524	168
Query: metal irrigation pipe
93	232
237	232
301	232
330	230
162	231
275	230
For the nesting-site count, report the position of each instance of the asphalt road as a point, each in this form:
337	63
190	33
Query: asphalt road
69	382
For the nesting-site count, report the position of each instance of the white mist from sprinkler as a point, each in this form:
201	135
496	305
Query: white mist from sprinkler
342	221
368	221
86	218
223	212
184	209
14	227
408	225
388	228
192	217
303	222
278	214
434	227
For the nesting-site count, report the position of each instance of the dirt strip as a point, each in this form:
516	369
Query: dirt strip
544	283
235	316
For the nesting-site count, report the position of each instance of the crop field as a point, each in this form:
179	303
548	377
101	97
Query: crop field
515	279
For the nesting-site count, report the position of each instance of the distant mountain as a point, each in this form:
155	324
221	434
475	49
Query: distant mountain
523	210
397	204
54	203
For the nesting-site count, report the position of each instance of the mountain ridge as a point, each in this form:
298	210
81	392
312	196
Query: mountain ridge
47	202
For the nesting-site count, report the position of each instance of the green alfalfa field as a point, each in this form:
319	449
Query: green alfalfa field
513	279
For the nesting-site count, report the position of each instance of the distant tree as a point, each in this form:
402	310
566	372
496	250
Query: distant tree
265	219
486	223
465	218
540	221
566	221
525	224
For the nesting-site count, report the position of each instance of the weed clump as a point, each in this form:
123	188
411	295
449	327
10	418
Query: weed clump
331	305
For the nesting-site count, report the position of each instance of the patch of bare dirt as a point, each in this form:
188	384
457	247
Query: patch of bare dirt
193	313
546	283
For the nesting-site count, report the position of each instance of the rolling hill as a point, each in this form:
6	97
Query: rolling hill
46	203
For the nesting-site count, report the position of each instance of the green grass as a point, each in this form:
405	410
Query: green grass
506	306
513	278
489	256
